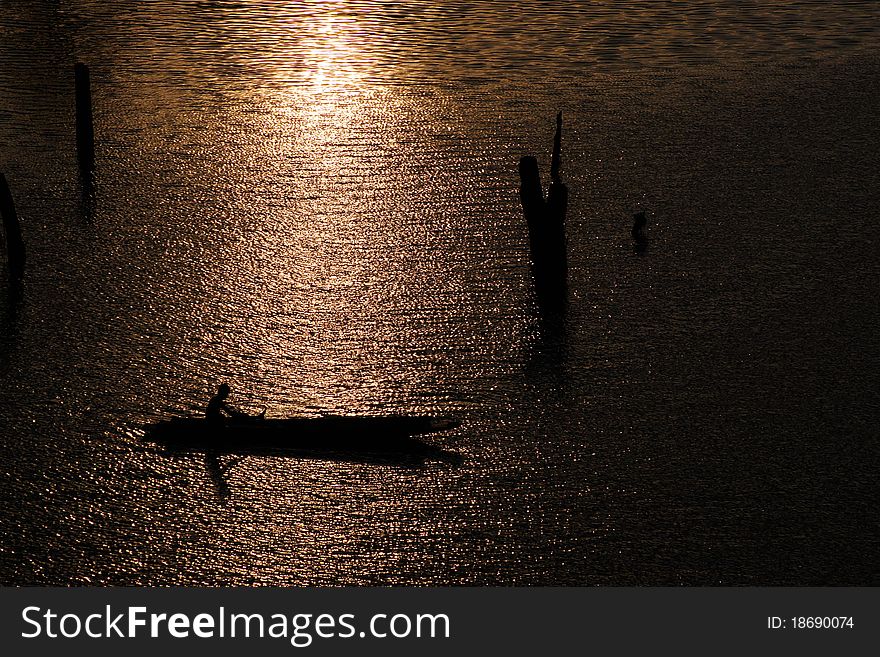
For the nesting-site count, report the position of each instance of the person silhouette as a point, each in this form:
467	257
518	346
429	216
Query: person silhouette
218	409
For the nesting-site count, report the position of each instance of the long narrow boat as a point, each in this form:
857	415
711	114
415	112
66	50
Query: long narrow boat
389	434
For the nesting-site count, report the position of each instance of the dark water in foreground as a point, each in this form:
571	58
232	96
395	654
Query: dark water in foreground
319	204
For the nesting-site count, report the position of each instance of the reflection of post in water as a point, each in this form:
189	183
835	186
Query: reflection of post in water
15	253
640	239
546	223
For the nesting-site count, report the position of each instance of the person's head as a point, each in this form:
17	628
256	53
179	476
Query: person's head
223	390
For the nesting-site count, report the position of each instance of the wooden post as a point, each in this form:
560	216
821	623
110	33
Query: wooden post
85	132
14	244
546	223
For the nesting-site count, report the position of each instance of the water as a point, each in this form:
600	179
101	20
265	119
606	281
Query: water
318	202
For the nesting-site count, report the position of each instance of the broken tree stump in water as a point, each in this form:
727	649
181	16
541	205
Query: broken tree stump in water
546	223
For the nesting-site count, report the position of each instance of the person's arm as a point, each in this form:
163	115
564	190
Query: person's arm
231	412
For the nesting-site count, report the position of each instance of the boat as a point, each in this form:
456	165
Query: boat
332	435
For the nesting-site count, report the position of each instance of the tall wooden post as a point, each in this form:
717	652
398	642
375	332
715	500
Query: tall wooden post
546	223
85	132
15	253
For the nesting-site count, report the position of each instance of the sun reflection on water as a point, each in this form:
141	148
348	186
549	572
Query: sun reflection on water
344	237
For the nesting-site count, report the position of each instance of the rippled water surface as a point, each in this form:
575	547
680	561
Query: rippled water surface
318	202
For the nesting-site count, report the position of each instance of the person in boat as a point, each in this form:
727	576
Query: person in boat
218	410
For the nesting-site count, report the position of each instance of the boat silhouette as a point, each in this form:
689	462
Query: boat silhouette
332	436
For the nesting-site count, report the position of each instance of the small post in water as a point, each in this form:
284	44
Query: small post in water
12	229
85	132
